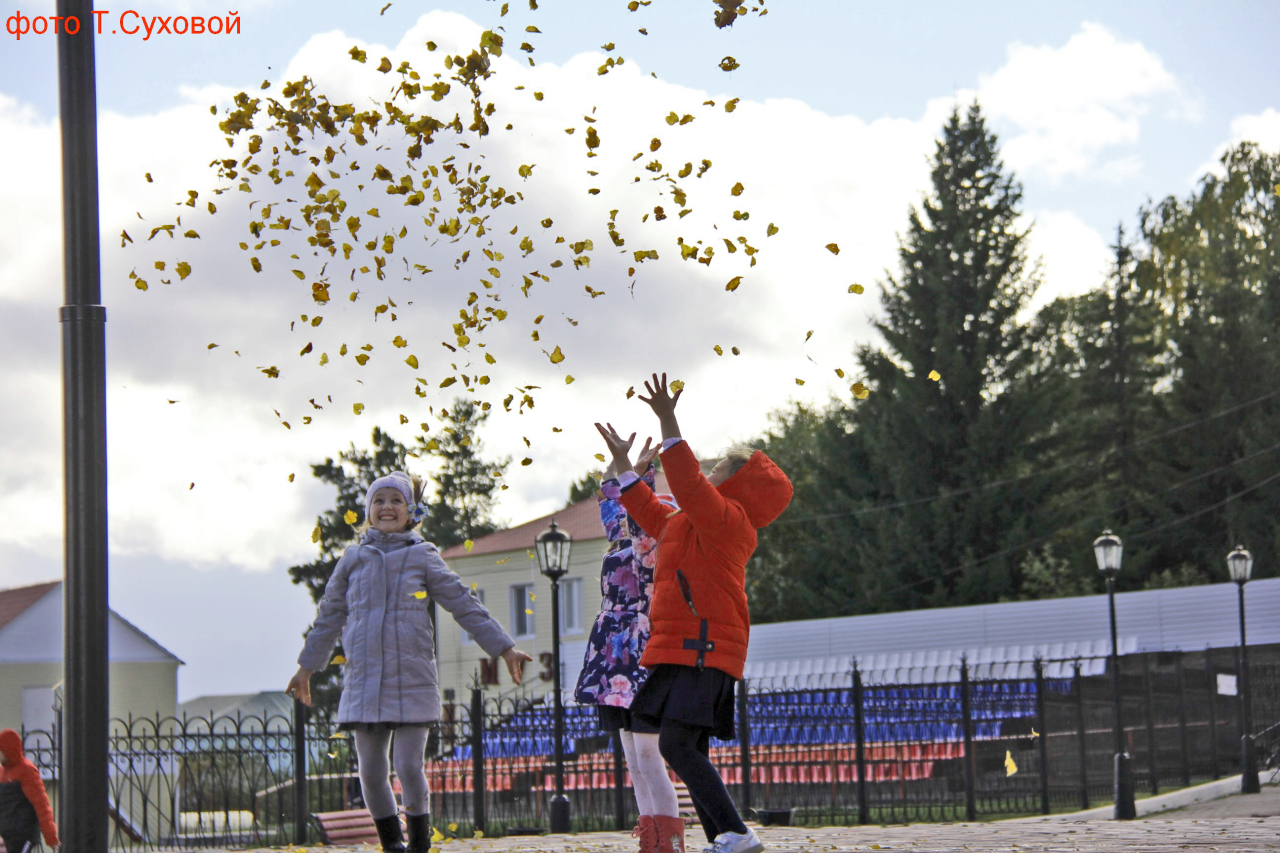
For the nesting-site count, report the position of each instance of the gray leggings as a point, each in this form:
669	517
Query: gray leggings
375	775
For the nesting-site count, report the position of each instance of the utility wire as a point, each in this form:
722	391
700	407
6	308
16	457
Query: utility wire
994	484
1032	543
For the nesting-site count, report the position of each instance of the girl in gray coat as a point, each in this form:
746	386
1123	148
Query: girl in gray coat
376	599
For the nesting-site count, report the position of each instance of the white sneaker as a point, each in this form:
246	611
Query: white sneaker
736	842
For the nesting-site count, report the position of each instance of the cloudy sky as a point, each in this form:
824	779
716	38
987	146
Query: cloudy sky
1099	108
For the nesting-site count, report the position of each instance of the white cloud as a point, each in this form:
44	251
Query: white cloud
1074	105
1262	128
1075	256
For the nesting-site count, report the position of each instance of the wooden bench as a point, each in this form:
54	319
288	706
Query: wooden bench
347	828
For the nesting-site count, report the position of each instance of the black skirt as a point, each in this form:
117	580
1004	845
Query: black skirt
696	697
613	718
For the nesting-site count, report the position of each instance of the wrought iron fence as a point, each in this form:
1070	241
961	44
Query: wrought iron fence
956	743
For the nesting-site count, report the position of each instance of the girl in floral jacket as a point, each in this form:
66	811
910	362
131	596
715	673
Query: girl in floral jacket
611	672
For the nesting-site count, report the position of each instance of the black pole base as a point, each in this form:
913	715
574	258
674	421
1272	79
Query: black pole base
1125	808
559	814
1248	767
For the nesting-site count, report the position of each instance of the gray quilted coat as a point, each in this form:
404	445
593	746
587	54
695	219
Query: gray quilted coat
390	673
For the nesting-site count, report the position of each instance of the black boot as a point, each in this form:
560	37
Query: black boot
419	832
389	833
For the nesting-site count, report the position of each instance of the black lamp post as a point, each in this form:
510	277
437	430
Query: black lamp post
1108	549
1240	567
553	561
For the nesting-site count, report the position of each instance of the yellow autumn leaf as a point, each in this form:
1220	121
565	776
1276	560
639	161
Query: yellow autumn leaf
526	461
935	375
737	189
556	356
1010	767
733	283
718	350
469	544
631	392
338	660
799	381
600	456
399	341
349	517
859	390
677	385
568	380
333	755
808	335
771	230
290	478
420	594
855	288
1034	734
357	407
528	611
315	534
453	827
412	361
833	248
533	597
479	833
338	736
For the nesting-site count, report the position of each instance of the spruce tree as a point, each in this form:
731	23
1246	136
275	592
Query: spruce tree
935	444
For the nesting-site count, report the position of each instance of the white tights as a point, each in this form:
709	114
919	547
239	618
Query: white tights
655	795
375	773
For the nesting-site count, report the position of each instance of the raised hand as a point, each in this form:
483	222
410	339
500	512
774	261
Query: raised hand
300	686
647	455
663	404
619	447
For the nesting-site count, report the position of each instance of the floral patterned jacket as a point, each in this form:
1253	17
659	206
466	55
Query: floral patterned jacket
611	672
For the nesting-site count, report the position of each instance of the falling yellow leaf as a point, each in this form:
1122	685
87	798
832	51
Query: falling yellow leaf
479	833
533	597
453	827
357	407
349	517
315	534
469	544
631	392
855	288
556	356
338	660
412	361
526	461
733	283
799	381
1034	734
528	611
600	456
808	335
290	478
677	385
833	248
568	380
718	350
338	736
859	390
935	375
737	189
333	755
1009	766
420	594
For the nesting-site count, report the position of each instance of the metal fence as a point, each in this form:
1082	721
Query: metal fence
969	742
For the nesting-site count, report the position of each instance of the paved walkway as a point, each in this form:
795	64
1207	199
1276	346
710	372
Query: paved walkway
1234	834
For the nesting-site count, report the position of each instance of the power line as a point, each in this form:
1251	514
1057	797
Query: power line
1041	473
1039	540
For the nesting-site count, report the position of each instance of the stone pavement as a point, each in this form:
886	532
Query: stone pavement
1163	835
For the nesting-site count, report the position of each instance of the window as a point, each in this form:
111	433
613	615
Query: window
467	639
522	610
571	606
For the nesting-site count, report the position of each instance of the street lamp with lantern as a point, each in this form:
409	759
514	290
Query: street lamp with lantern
1108	549
1240	567
552	547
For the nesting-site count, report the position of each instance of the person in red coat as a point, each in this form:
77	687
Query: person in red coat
699	619
25	805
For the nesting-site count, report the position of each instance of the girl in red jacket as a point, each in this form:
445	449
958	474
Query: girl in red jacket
24	805
699	621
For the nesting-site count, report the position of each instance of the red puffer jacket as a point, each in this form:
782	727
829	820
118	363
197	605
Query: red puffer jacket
699	611
18	768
